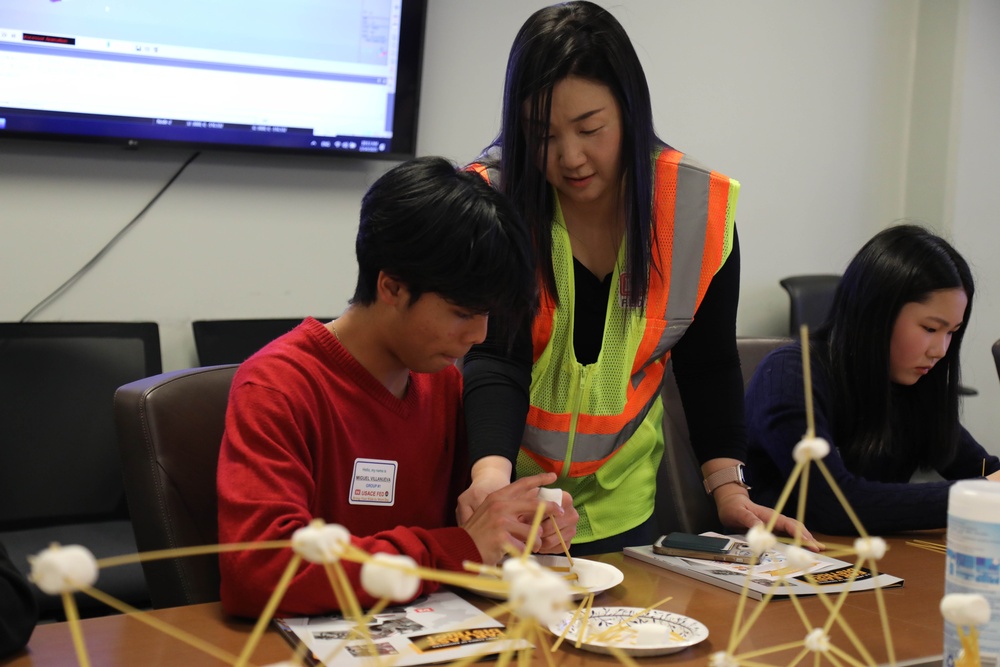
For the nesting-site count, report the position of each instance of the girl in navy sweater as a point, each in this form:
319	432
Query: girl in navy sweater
885	381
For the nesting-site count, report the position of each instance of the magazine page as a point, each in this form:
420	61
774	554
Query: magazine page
771	575
440	627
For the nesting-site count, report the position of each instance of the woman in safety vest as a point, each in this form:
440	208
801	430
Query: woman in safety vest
638	264
885	381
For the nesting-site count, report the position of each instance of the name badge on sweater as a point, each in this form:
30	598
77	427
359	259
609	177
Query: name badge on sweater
374	482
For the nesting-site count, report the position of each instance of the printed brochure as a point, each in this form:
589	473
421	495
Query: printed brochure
440	627
830	574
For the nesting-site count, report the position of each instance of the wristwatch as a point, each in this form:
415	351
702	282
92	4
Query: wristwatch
732	475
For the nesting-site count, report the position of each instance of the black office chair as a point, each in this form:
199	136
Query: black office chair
169	432
681	502
233	341
996	355
811	297
60	474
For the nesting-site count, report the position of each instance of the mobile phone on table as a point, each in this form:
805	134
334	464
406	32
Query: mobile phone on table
707	547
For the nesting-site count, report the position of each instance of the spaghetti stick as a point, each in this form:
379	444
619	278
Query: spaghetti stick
929	546
265	617
533	533
840	496
73	616
572	620
339	595
165	628
620	625
201	550
563	542
589	603
546	650
353	607
807	377
471	566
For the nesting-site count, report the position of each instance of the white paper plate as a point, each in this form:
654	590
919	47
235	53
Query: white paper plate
678	632
594	577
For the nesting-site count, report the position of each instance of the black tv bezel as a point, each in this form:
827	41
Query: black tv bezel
402	146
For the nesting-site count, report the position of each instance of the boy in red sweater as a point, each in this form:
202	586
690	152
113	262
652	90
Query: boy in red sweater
359	421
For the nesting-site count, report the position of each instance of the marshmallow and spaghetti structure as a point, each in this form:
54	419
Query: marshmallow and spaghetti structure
968	612
535	596
816	644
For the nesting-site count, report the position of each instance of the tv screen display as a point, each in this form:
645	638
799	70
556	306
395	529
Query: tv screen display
338	77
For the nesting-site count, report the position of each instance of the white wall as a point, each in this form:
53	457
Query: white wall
974	216
825	111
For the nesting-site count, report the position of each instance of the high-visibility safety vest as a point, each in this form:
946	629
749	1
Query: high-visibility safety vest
600	426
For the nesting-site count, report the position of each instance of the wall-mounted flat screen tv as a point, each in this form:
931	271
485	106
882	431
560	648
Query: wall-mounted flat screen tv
335	77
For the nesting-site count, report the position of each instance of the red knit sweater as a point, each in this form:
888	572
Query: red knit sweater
302	411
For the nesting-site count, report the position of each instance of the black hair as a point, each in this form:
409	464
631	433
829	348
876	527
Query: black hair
873	416
440	230
584	40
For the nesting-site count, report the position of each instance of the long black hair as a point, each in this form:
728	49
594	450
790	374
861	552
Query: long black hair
584	40
873	417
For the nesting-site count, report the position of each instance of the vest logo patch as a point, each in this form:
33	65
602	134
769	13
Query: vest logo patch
623	289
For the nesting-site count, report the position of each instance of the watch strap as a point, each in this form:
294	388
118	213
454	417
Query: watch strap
730	475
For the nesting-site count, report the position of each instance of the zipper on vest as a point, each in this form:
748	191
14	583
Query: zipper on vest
575	401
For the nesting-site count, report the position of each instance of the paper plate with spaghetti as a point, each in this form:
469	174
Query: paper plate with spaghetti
637	632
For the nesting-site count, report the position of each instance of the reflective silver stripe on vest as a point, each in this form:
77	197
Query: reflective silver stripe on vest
690	225
586	446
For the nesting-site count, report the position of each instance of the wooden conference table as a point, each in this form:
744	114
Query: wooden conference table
915	622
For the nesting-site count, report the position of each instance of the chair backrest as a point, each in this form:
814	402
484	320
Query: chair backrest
681	501
996	355
59	460
233	341
169	430
811	298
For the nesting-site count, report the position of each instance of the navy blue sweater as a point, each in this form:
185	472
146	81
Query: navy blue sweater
882	497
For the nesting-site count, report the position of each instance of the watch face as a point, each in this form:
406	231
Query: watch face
741	471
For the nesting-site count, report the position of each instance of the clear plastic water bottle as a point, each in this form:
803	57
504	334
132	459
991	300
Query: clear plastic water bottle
973	561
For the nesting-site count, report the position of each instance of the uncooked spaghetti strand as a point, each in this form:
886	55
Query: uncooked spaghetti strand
620	625
269	608
165	628
181	552
562	542
807	381
533	533
73	616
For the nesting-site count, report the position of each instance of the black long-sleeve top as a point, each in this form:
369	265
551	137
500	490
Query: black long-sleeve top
18	610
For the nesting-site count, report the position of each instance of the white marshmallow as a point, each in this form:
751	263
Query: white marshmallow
536	592
649	634
321	542
550	495
60	569
810	449
873	548
760	539
390	576
965	609
722	659
798	558
817	641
